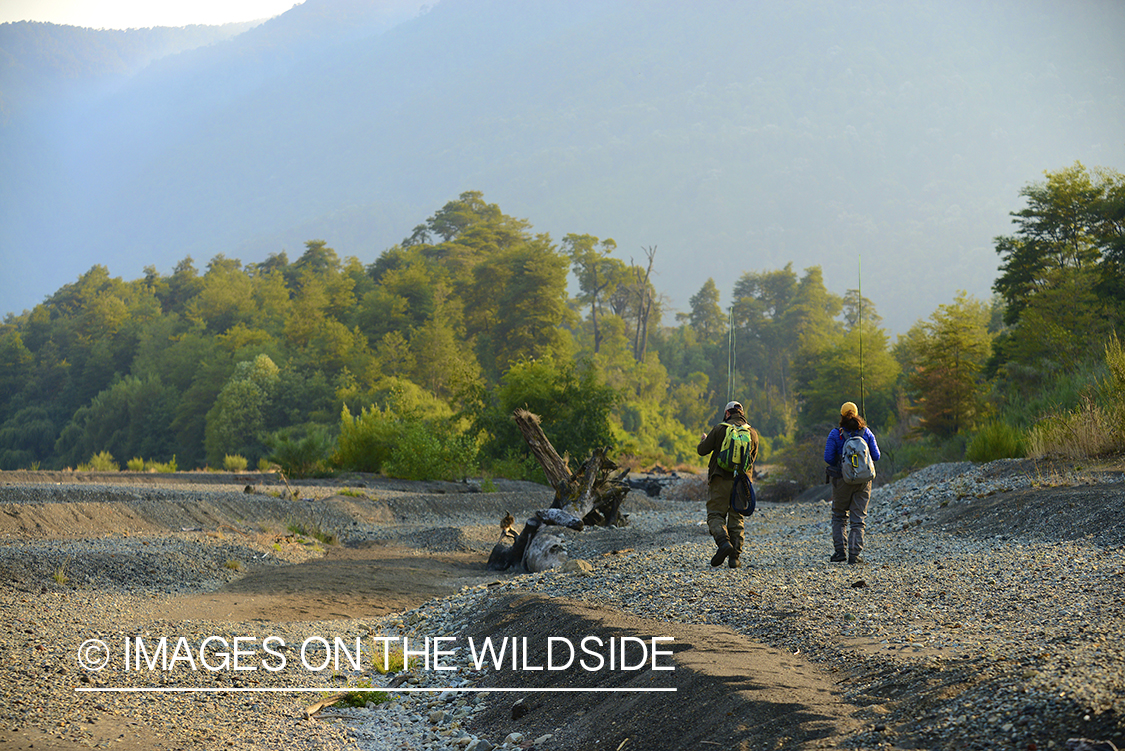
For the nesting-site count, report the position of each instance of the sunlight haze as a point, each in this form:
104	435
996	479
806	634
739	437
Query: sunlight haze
139	15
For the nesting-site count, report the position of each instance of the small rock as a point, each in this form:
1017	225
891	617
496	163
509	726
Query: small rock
578	566
1085	744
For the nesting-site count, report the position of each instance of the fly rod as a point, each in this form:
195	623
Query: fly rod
859	272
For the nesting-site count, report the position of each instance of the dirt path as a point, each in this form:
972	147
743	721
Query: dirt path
730	693
349	582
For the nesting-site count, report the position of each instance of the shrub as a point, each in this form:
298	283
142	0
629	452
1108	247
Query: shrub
1087	431
312	531
517	466
431	451
1096	426
234	463
136	464
300	455
385	659
366	441
803	460
402	442
102	462
996	440
1113	388
361	698
168	466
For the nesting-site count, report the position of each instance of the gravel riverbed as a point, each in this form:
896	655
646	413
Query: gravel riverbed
972	624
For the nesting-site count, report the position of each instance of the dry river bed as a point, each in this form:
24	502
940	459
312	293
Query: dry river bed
990	613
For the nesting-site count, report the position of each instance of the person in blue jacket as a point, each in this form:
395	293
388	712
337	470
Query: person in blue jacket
849	501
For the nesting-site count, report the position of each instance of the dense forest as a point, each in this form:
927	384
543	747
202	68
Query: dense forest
412	364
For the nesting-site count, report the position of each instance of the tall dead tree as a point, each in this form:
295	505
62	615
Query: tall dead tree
590	496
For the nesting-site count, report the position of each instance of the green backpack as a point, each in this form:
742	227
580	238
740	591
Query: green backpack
737	446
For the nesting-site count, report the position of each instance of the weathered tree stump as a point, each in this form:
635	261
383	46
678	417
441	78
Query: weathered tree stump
590	496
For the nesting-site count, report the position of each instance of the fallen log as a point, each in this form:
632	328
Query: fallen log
590	496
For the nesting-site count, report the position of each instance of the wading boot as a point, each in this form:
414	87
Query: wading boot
733	561
725	550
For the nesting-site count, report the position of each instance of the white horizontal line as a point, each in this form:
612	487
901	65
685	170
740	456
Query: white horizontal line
328	690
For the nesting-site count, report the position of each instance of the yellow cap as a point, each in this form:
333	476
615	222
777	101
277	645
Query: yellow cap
848	408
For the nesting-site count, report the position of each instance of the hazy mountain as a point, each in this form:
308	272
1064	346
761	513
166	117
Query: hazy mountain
732	135
40	62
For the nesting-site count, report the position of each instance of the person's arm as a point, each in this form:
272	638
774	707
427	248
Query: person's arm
869	436
831	452
707	442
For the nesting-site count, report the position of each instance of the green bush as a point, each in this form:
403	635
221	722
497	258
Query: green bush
402	441
312	531
366	441
517	466
364	696
136	464
300	453
168	466
234	463
101	462
996	440
431	450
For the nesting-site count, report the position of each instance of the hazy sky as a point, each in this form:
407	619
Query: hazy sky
138	14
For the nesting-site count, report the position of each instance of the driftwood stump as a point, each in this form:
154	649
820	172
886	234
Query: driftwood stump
592	495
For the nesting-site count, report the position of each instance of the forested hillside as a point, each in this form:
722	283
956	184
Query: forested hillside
412	364
731	135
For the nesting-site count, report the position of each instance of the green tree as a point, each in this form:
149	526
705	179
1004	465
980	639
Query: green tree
1060	277
1054	233
16	363
810	325
225	297
841	375
237	419
598	274
130	418
765	346
572	400
706	317
945	357
518	305
27	438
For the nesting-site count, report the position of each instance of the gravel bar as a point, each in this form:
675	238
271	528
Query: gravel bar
955	638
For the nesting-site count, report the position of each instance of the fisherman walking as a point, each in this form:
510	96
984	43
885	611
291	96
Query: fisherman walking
733	446
850	453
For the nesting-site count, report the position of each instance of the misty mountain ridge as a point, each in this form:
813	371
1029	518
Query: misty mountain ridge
732	136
